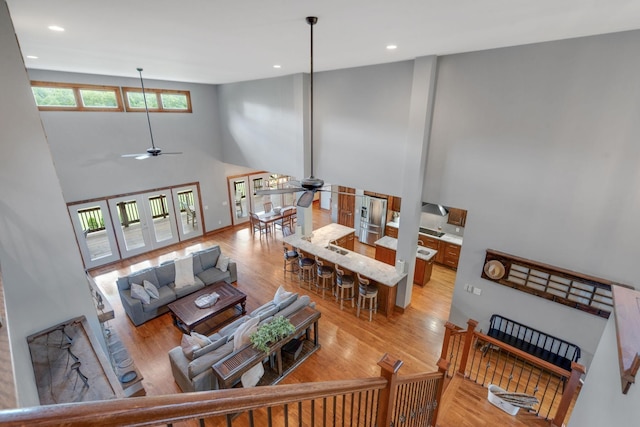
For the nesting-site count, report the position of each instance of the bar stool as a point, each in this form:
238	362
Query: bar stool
366	292
324	273
344	282
290	261
306	268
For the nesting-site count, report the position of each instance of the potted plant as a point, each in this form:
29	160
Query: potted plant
271	332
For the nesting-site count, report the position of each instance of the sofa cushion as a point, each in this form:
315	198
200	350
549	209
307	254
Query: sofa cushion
280	295
295	306
123	283
166	273
151	289
202	340
213	275
197	265
287	301
138	292
166	296
265	306
186	290
189	344
223	262
204	362
140	276
214	345
209	257
265	312
228	330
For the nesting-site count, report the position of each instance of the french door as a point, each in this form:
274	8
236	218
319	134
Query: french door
186	204
94	233
144	222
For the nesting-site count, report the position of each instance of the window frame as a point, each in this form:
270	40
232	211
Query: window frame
76	88
158	94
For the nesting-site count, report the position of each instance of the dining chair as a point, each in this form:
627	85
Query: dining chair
268	206
258	225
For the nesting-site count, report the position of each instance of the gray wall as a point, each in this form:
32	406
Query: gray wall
42	274
86	146
539	143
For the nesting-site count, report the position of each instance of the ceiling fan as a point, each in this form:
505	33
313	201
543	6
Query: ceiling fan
152	151
312	184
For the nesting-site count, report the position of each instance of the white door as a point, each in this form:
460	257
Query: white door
94	233
161	218
186	203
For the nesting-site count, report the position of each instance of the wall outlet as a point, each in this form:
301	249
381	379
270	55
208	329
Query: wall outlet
224	203
219	222
477	291
206	207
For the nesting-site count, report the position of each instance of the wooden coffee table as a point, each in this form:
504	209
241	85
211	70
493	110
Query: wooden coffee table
187	315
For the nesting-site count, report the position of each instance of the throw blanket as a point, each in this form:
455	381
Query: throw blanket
184	272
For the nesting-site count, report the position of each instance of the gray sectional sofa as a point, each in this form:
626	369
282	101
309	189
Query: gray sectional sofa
196	373
163	276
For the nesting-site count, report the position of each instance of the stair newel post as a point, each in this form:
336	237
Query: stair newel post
468	339
389	367
448	331
577	370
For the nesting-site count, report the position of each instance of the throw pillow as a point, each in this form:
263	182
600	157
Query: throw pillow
184	272
241	335
202	340
189	344
138	292
151	289
281	295
223	262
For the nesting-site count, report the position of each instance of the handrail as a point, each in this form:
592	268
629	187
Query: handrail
151	410
627	310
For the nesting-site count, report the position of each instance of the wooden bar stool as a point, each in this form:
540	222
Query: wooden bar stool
344	282
366	292
324	273
290	256
306	267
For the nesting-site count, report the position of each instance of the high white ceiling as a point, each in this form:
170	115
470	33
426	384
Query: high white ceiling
216	41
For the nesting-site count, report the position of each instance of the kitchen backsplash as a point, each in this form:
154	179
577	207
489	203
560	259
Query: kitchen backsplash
434	221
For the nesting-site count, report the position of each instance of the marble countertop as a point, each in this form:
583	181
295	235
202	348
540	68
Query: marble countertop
448	237
422	252
380	272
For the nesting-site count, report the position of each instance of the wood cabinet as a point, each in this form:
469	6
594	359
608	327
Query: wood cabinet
451	253
457	217
391	232
346	206
394	203
386	255
422	272
347	241
435	244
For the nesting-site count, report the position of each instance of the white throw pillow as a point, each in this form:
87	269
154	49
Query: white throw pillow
281	295
184	272
223	262
202	340
138	292
189	344
151	289
241	335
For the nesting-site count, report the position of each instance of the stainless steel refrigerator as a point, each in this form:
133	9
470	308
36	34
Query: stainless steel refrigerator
373	218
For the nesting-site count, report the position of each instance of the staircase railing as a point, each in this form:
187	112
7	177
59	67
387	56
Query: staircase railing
486	360
387	400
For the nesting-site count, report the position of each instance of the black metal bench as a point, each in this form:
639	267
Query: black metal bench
543	346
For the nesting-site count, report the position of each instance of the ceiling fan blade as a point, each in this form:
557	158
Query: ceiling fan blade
278	191
143	156
306	199
176	152
134	155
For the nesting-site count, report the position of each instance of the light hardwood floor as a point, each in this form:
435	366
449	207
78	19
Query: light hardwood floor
351	347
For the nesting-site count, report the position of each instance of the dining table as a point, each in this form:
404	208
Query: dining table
269	218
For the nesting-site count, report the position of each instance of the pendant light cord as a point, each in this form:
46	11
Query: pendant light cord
311	20
146	107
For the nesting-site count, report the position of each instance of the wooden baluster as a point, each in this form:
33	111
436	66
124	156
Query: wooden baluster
471	326
577	370
389	367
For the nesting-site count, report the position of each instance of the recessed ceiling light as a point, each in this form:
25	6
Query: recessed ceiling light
277	66
391	47
32	57
55	28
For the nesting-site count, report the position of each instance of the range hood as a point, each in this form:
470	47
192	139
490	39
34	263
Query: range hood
434	209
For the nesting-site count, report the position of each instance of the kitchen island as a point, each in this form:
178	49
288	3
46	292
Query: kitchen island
321	244
386	248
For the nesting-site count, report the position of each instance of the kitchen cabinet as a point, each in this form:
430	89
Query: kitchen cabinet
435	244
391	232
386	255
394	203
451	254
422	272
347	241
346	206
457	217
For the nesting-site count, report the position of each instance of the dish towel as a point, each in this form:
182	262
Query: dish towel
184	272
